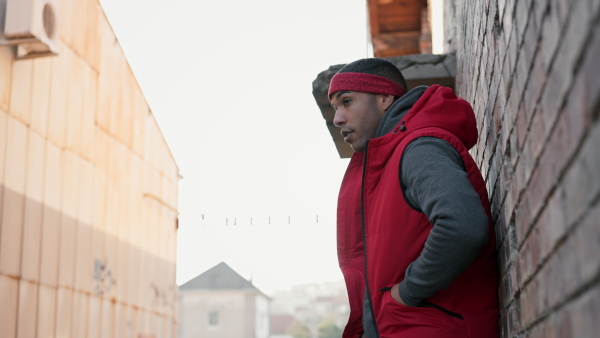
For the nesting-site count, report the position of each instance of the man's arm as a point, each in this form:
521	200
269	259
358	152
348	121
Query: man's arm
435	183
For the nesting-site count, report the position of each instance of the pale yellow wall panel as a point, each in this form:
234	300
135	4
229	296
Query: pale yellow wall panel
101	150
84	261
68	226
122	267
3	141
52	216
66	20
66	259
40	95
79	21
6	65
34	186
32	223
99	201
95	318
11	229
46	312
57	113
64	313
141	111
108	319
27	315
32	235
53	169
92	38
9	291
79	322
86	192
88	126
16	155
70	181
116	92
75	105
20	92
150	144
121	329
112	280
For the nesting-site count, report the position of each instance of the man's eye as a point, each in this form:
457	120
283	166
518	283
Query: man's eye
346	102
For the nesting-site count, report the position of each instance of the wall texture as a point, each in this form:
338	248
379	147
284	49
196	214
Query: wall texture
530	69
88	192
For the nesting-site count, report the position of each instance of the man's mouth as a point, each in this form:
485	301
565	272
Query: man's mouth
346	133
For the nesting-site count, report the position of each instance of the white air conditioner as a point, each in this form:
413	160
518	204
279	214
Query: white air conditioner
32	25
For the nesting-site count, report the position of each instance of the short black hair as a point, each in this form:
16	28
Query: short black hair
376	66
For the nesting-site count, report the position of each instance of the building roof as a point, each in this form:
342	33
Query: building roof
219	277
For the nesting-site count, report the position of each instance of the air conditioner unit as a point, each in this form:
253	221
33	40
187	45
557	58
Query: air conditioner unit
32	25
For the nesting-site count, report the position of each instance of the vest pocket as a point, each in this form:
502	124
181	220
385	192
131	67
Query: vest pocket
446	311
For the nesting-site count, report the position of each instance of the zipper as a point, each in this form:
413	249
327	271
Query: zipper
364	234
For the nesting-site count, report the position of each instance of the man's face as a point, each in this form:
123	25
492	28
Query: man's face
358	114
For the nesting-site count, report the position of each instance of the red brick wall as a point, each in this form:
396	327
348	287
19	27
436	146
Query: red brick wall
531	70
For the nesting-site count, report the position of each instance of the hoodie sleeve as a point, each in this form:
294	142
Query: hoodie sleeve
435	182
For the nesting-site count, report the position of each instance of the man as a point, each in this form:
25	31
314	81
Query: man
415	239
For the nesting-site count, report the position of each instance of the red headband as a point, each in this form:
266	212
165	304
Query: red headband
364	83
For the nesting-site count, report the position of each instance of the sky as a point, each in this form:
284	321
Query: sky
230	84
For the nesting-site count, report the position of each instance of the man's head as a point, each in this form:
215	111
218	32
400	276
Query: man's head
360	93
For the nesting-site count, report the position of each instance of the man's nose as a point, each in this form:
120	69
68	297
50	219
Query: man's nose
339	119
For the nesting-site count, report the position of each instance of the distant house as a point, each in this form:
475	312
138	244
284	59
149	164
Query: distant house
221	303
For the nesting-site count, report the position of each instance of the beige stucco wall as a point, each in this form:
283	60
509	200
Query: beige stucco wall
88	192
241	314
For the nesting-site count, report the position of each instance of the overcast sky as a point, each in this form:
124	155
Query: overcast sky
230	85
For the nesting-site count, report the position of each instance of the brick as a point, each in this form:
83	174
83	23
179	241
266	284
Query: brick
534	86
522	12
562	9
550	35
20	92
537	134
586	89
580	190
569	268
553	222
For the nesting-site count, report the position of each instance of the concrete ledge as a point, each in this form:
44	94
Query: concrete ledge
418	70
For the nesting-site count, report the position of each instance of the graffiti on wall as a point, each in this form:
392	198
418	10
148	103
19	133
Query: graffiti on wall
103	278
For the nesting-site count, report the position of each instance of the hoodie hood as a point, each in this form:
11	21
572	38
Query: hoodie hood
398	109
435	106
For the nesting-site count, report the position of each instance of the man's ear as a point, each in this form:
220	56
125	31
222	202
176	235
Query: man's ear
385	101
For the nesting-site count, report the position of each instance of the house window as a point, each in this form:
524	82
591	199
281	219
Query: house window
213	318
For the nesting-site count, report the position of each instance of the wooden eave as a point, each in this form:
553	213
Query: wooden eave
395	26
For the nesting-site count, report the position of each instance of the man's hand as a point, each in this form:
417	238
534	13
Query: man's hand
396	294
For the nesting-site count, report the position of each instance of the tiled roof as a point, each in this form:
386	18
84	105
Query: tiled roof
219	277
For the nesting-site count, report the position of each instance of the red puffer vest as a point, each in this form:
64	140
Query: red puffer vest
379	234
